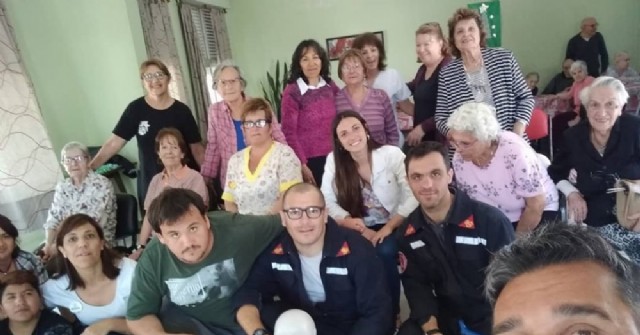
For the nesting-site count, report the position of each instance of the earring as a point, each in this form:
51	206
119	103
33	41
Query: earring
368	137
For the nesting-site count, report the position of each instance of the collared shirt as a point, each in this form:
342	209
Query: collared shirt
94	197
304	87
184	177
30	262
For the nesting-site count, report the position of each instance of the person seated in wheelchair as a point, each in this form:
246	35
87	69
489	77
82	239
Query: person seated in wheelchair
171	149
601	149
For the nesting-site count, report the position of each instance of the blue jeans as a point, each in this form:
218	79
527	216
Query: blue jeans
388	253
175	320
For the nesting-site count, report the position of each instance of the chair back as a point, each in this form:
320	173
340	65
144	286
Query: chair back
538	125
127	217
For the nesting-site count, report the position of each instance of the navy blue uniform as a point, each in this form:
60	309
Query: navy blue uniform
357	301
444	274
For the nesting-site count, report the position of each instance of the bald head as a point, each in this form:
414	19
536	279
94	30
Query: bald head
302	188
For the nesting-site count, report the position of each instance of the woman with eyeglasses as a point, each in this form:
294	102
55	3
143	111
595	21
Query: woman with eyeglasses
621	67
259	174
224	135
171	149
500	168
366	189
94	283
372	103
601	150
144	117
83	192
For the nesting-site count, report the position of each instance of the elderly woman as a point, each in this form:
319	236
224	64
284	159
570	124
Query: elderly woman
372	103
83	192
144	117
171	149
260	173
567	119
481	74
621	67
601	150
224	135
382	77
366	189
21	303
93	284
12	258
499	168
532	79
433	51
308	106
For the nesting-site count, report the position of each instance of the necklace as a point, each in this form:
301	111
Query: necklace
600	147
5	271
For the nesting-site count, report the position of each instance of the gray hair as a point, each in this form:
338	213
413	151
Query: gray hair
74	145
579	64
609	82
555	244
478	118
227	63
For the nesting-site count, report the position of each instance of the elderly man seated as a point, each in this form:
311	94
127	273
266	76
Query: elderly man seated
621	67
84	192
328	271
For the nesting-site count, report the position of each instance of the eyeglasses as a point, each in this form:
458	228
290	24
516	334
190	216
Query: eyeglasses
229	82
351	67
149	77
462	145
257	123
295	213
609	105
71	160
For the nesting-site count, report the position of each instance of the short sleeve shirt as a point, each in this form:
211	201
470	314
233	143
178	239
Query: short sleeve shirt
144	122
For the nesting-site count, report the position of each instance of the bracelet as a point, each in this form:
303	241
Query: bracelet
140	246
433	331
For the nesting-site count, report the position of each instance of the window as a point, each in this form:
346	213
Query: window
204	31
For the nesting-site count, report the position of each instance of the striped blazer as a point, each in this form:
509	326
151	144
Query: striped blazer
512	98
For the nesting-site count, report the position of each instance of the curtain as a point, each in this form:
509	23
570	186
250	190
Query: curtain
29	169
161	44
198	68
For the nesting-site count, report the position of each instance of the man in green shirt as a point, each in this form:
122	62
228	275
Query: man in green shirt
186	277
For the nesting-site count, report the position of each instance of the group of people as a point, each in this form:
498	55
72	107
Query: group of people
356	198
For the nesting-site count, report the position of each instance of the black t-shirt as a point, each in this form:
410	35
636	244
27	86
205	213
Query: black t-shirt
144	122
425	97
49	323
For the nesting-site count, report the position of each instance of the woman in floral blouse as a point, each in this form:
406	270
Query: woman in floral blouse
83	192
499	168
260	173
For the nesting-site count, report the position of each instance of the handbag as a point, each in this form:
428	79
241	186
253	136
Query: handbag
627	202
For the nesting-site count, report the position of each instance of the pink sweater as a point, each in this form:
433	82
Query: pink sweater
575	90
306	120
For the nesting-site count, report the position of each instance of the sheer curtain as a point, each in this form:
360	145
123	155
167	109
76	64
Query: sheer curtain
29	169
161	44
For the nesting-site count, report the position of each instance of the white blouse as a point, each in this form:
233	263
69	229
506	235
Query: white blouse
56	294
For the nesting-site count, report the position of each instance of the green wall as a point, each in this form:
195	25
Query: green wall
535	30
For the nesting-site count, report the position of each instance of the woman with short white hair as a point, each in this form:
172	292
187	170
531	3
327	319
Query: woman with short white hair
84	192
499	168
621	67
601	150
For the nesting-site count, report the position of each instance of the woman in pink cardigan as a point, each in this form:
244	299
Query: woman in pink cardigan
224	134
308	108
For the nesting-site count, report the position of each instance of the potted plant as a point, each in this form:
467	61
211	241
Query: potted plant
272	90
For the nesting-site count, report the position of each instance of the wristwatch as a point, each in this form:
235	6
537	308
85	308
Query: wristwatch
260	331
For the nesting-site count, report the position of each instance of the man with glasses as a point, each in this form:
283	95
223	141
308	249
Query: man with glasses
328	271
588	46
186	277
